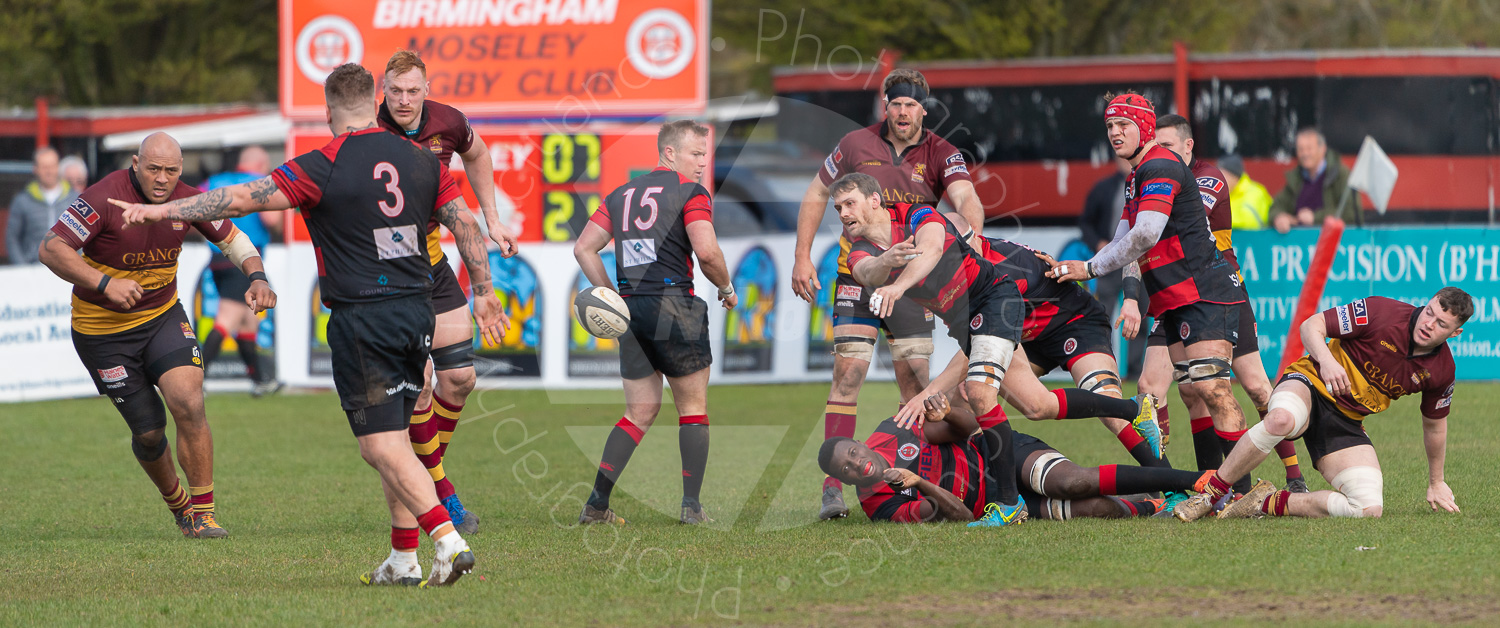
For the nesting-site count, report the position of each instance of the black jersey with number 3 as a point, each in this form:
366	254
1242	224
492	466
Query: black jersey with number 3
367	197
648	218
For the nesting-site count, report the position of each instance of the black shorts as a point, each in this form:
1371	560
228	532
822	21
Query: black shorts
379	353
851	306
1197	322
134	359
1074	335
447	295
1328	429
997	310
667	334
1247	343
228	280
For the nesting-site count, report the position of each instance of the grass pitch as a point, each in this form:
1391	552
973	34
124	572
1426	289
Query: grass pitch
86	540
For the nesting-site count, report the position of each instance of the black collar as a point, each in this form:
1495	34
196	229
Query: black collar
385	115
136	183
885	127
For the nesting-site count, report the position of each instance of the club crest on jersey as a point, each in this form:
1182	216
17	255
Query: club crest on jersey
84	211
919	173
849	292
1361	313
1070	346
187	332
1184	330
436	144
976	321
908	451
178	225
1212	184
112	374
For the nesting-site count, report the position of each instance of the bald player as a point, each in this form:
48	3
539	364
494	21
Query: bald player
234	319
129	328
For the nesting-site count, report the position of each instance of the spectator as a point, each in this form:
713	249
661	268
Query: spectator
75	172
36	207
1315	187
1248	199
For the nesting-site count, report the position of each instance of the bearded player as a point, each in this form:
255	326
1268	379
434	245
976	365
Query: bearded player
444	131
935	472
129	328
912	165
1382	350
1164	364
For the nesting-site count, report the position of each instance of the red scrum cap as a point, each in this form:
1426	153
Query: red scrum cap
1138	110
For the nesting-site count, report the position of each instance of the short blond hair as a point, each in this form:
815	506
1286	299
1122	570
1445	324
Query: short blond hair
404	61
671	133
904	76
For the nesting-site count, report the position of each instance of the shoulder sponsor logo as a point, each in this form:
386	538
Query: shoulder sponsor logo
114	374
1209	200
831	165
1211	184
187	331
1159	188
218	224
286	171
84	211
1361	313
73	225
908	451
1445	402
838	154
849	292
955	158
1345	326
958	169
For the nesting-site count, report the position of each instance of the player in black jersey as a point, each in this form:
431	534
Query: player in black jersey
367	217
658	221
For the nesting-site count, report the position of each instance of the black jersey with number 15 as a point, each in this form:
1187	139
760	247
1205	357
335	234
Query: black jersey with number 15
367	197
648	218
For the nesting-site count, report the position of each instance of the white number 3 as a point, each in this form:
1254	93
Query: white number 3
391	186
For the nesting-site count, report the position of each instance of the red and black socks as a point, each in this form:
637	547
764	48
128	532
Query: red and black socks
1206	444
1128	480
1073	403
622	441
249	354
1227	441
692	442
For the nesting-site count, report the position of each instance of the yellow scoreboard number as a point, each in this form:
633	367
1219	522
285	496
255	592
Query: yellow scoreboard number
570	170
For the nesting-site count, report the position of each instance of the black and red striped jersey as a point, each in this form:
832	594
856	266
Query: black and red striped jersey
367	197
1184	266
1045	298
955	467
648	218
959	271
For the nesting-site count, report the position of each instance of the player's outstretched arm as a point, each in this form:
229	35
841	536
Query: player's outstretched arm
949	379
1435	441
471	249
479	167
226	202
711	258
809	216
929	245
586	251
1130	244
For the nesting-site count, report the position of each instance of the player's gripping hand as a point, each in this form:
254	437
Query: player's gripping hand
1069	270
1129	320
260	297
1335	377
139	213
492	321
883	301
805	279
1439	495
123	292
913	413
900	479
935	407
504	239
900	253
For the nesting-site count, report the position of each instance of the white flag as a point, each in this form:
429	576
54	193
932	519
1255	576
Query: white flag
1374	174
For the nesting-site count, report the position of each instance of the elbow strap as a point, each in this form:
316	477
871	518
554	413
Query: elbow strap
238	248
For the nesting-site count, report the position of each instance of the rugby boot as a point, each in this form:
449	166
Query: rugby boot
184	519
833	504
453	561
1249	505
464	521
1169	502
206	527
996	515
590	515
390	573
1145	423
1194	508
1297	485
693	514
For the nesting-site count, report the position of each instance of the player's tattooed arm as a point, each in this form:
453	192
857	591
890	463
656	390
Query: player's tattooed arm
471	244
226	202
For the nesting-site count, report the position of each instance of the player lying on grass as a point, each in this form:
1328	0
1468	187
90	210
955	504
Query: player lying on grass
940	470
1383	349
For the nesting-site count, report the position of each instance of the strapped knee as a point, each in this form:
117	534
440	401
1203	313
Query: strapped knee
989	358
143	411
455	356
1058	509
903	349
148	448
1359	488
854	347
1044	464
1102	381
1180	372
1207	369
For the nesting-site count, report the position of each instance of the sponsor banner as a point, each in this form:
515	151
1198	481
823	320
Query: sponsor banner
750	328
37	360
820	315
229	364
519	351
573	59
1407	263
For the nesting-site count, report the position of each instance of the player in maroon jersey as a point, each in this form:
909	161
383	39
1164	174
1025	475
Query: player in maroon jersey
658	221
936	472
368	196
445	131
912	165
1163	237
1210	441
129	328
1382	350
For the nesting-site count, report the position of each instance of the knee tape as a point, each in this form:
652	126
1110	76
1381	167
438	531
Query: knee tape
1100	380
1180	372
1206	369
143	411
903	349
989	358
1058	509
854	347
1044	464
455	356
1294	405
1358	488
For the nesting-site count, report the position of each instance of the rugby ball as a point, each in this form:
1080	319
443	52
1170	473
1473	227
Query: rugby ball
602	312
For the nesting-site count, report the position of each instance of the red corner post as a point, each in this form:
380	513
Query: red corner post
1312	288
1180	79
